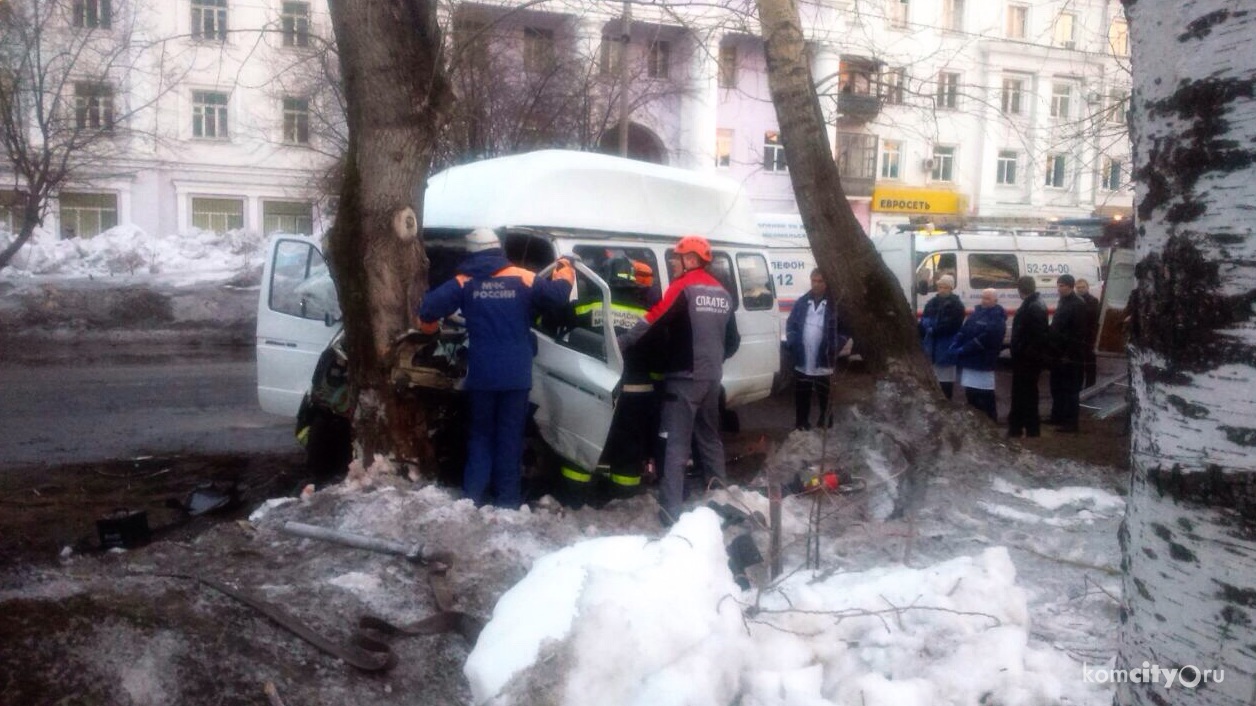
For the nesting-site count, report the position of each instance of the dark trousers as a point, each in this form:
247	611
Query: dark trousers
495	447
1066	384
1022	418
691	417
1090	369
803	387
982	400
634	427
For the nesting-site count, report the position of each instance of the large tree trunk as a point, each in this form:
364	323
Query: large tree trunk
397	94
868	294
1189	540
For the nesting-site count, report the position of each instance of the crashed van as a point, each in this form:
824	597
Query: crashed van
603	211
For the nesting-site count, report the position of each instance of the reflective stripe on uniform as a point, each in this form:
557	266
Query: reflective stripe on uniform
639	388
625	480
576	474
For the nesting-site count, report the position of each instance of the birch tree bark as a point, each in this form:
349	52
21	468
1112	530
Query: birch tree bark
867	292
1189	539
396	96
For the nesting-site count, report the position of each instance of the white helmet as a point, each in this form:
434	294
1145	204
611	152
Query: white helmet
482	239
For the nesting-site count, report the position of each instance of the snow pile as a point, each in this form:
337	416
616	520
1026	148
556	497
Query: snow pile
187	258
626	620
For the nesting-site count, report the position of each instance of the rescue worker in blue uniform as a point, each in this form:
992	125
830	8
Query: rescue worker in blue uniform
498	301
692	331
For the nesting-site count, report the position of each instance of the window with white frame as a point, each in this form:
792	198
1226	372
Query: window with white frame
728	66
217	214
891	159
1013	96
296	121
953	15
1119	37
209	115
1005	173
295	217
1061	95
93	14
773	152
93	106
1110	174
1057	176
538	49
948	90
897	13
723	147
295	20
1117	102
1017	21
943	164
85	215
892	85
209	19
1062	34
659	59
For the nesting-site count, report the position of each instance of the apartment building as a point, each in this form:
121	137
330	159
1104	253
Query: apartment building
209	114
981	110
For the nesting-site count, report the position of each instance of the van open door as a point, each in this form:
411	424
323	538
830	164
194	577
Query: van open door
574	374
297	314
1118	285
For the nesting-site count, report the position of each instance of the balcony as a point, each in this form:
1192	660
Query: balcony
857	99
858	107
856	157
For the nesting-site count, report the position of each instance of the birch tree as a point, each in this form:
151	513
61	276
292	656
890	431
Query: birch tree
396	99
1189	540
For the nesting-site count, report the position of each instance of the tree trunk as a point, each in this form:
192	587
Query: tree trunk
1189	541
866	291
397	96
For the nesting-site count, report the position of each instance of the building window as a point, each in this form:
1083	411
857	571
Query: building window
723	147
608	57
93	106
93	14
953	15
943	164
857	155
1119	38
295	217
296	24
1006	172
218	215
209	19
892	82
470	46
1060	95
296	121
1056	164
538	49
896	13
728	66
659	59
1062	35
1017	21
773	152
1013	93
948	90
1117	101
1110	174
209	115
85	215
891	158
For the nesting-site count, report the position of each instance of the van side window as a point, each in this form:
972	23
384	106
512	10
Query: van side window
931	269
300	283
721	269
992	270
621	268
756	281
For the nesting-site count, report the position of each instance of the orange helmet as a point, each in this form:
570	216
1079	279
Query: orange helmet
642	273
696	245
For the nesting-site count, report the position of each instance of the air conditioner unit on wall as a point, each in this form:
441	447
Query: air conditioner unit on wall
927	165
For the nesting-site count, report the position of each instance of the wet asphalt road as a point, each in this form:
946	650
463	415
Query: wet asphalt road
69	405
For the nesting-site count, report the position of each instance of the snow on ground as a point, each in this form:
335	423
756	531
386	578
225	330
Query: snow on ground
128	252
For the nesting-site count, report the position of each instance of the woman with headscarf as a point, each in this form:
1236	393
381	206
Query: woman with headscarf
942	319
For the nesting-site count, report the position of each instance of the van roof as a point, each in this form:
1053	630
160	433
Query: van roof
587	191
932	242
